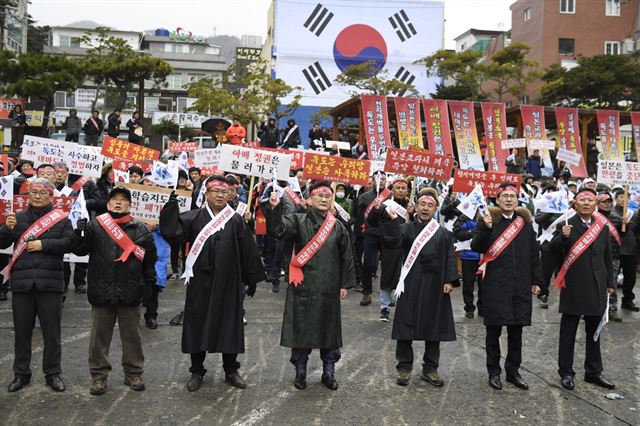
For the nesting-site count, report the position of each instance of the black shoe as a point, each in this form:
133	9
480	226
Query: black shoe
56	383
544	301
468	315
300	381
151	323
18	383
599	381
177	320
495	382
81	289
567	382
3	296
630	306
392	304
194	382
235	380
329	381
516	380
384	315
275	287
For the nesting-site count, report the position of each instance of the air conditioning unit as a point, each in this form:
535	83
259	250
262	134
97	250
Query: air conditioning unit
627	46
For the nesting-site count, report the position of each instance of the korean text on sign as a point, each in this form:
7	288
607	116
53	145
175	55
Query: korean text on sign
336	169
147	202
254	162
465	180
121	150
419	163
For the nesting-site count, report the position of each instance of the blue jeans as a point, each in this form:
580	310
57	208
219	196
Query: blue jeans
385	298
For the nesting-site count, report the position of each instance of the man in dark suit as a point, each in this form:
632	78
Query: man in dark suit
585	278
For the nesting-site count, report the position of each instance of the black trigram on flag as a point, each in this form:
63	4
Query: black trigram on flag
316	78
404	76
403	26
318	20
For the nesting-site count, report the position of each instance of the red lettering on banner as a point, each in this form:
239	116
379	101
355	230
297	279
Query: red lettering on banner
419	163
465	181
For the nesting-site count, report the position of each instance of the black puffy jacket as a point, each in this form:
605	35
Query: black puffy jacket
114	283
44	269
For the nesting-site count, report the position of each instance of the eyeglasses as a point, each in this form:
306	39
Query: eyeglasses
217	192
324	196
38	193
508	196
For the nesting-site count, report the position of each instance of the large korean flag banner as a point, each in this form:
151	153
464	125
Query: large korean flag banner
316	40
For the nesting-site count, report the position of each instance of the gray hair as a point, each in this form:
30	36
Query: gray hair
60	164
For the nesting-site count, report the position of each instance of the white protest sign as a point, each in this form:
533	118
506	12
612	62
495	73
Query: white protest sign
83	160
541	144
569	157
513	143
618	172
393	206
42	150
147	202
207	157
254	162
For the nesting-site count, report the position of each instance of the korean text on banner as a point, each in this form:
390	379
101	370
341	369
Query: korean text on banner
513	143
21	202
635	130
177	147
533	127
254	162
408	119
569	138
437	123
465	181
375	121
618	172
297	156
81	160
419	163
464	128
336	169
207	158
6	197
122	150
569	157
7	104
495	130
147	202
609	131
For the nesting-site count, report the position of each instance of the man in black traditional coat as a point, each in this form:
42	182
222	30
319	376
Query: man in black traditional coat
428	275
222	261
585	279
511	268
320	272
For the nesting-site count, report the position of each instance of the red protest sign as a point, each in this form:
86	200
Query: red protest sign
419	163
297	156
123	165
465	181
7	104
254	144
177	147
21	202
376	125
121	150
336	169
437	124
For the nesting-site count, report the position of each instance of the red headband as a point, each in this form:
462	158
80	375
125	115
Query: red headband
585	194
430	197
40	186
322	190
402	181
217	184
507	188
47	169
602	197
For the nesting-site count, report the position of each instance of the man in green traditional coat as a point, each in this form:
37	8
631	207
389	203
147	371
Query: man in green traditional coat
320	272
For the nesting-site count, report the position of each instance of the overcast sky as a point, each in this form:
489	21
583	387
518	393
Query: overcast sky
234	17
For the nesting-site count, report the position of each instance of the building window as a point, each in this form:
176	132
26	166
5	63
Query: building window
64	100
174	81
524	100
566	47
176	48
611	47
68	41
567	6
527	14
612	7
194	78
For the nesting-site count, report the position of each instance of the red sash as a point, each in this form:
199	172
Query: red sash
79	183
95	124
117	234
613	231
309	250
382	196
500	244
294	197
36	229
580	247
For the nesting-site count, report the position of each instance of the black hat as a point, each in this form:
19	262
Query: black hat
120	190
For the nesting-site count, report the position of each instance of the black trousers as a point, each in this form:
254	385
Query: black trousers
79	274
404	356
628	264
230	363
358	250
150	302
593	358
550	265
176	250
372	249
4	261
469	277
514	349
48	308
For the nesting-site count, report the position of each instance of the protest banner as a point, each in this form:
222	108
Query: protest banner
297	156
123	165
494	117
569	157
177	147
147	202
541	144
465	181
464	127
207	157
254	162
437	124
635	130
375	121
252	144
609	131
408	120
122	150
336	169
41	150
618	172
83	160
534	127
419	163
7	105
21	202
569	137
513	143
6	197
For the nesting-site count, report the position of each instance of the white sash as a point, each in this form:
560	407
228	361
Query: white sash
289	133
547	234
423	238
216	224
342	212
241	208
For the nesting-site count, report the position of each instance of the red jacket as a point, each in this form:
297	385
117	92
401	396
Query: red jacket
235	134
